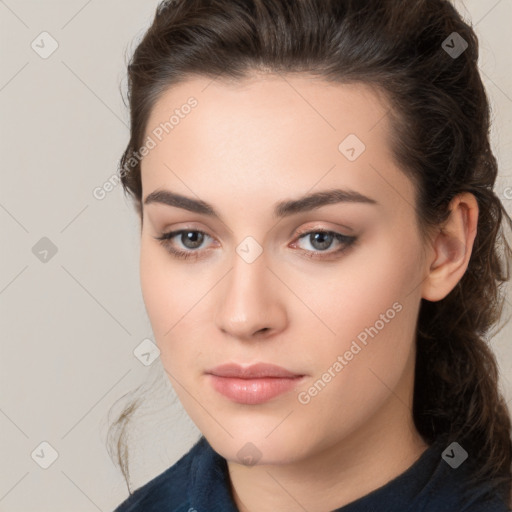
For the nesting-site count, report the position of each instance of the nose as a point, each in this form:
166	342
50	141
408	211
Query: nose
250	301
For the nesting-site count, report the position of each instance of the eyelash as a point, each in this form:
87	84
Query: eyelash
165	238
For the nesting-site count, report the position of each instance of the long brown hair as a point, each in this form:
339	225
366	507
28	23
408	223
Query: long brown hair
440	118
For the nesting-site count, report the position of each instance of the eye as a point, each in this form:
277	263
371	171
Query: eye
192	239
321	239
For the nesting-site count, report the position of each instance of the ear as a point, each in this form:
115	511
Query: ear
452	248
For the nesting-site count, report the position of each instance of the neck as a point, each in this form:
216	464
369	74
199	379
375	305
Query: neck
367	459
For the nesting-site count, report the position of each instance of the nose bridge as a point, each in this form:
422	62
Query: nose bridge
248	301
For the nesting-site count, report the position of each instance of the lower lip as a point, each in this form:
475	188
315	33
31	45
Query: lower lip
253	391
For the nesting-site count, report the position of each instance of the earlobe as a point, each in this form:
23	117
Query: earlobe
452	248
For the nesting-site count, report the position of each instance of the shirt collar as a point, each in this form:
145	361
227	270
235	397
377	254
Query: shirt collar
210	483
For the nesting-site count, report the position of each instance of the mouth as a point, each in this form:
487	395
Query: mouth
254	384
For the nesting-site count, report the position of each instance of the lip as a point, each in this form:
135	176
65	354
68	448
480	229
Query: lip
254	384
253	371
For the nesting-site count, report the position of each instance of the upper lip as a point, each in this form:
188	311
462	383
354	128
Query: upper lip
253	371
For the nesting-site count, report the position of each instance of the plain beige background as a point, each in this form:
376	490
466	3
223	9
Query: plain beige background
72	315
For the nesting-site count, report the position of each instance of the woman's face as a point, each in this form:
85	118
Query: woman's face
340	311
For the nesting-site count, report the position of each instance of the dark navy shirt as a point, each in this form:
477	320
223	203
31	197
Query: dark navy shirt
199	482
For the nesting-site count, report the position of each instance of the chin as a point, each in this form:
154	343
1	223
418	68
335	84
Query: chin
252	447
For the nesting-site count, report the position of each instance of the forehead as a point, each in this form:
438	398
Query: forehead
324	106
284	132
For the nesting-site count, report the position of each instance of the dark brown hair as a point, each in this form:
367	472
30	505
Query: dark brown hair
440	119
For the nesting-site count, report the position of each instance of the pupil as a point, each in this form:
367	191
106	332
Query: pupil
323	244
190	238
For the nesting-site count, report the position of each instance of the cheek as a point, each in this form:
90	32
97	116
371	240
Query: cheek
154	287
370	281
374	317
372	307
172	297
165	297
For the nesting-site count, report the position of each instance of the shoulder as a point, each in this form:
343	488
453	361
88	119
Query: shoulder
168	490
451	490
469	501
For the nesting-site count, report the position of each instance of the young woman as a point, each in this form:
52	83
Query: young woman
322	255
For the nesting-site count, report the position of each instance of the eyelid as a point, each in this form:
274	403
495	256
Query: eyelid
346	241
322	228
167	235
296	233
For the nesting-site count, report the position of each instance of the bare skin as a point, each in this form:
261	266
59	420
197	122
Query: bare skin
243	148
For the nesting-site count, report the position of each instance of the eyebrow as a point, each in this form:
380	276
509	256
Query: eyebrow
281	209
